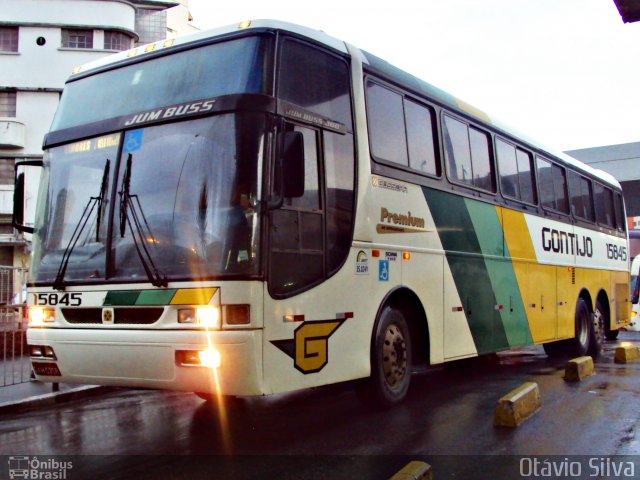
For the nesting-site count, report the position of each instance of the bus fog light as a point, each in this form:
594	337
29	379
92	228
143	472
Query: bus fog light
187	315
208	316
198	358
209	358
39	315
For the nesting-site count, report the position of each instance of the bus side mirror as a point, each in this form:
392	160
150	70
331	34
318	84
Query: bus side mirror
19	194
293	165
636	291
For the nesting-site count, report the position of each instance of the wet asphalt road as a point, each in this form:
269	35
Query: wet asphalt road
326	432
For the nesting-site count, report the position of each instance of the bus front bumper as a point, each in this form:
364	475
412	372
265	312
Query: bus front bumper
148	359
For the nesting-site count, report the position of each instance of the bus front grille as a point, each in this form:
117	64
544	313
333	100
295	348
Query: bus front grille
122	315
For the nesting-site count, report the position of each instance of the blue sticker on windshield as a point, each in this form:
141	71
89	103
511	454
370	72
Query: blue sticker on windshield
132	141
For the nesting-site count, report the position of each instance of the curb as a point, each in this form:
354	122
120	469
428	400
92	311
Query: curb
578	369
517	405
52	398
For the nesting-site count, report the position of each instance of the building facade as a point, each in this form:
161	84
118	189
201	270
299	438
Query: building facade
623	162
41	41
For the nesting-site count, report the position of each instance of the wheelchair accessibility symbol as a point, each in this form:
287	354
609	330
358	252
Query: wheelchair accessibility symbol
383	270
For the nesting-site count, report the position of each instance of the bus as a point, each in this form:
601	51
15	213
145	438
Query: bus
262	208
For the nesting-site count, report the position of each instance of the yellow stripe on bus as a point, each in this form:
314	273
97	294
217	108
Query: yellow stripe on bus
193	296
537	283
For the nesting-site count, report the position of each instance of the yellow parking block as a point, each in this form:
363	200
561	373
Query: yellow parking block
518	405
578	369
626	352
414	470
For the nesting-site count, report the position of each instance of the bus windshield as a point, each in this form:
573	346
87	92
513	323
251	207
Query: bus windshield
234	66
187	193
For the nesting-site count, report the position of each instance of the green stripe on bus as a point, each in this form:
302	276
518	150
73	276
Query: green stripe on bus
155	297
126	297
470	274
504	284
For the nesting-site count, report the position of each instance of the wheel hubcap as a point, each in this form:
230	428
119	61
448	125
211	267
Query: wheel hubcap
394	356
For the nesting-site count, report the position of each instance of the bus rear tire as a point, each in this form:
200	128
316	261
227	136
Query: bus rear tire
390	362
598	332
581	343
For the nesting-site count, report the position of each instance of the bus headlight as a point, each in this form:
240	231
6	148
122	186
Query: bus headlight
39	315
207	316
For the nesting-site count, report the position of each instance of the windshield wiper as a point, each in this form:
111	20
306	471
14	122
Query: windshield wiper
98	201
131	209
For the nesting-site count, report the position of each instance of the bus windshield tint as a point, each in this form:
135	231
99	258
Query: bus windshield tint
185	192
234	66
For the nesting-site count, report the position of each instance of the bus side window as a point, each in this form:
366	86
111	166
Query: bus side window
581	197
467	155
385	117
420	133
604	206
619	212
553	186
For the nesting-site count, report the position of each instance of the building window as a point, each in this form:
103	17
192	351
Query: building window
8	39
151	25
74	38
8	104
116	41
6	195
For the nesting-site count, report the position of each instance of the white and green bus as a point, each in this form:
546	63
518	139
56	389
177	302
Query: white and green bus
262	208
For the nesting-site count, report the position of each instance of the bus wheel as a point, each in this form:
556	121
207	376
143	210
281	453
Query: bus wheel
390	361
579	346
598	331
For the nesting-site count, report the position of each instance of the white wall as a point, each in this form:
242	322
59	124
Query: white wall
44	66
61	12
36	109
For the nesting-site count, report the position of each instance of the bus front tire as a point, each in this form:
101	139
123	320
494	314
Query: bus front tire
390	362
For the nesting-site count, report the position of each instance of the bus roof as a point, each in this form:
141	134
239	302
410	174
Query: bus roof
393	73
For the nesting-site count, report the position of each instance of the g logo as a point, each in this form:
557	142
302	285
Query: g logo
309	348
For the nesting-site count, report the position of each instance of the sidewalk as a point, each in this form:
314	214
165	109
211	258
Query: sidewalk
30	394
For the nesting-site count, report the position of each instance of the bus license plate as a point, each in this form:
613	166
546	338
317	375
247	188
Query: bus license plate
47	369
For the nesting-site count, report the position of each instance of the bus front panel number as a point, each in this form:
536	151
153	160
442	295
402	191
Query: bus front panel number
54	299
